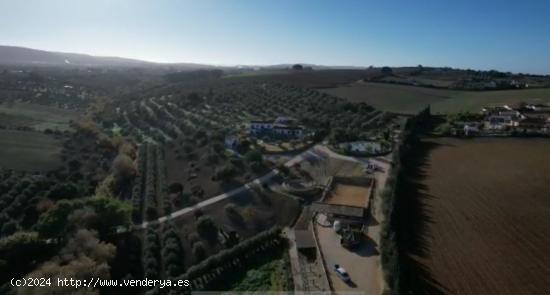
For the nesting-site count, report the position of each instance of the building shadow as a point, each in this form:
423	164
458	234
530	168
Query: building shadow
367	248
371	220
411	221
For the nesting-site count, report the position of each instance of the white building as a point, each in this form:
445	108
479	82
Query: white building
257	127
282	126
498	122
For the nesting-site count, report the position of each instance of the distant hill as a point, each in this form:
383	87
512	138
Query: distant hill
12	55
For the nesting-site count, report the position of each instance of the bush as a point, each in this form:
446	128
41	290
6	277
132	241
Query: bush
225	172
254	156
234	215
199	252
212	158
9	228
207	229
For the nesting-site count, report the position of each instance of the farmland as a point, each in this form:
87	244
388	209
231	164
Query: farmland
22	150
411	99
34	116
157	159
473	217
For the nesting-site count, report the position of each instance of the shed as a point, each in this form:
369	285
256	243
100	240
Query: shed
338	210
304	239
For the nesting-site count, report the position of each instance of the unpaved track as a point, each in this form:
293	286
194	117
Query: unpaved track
261	180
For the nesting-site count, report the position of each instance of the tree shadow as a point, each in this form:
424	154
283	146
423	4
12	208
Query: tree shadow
411	221
230	184
367	248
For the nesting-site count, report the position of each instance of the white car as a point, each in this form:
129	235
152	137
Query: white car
341	272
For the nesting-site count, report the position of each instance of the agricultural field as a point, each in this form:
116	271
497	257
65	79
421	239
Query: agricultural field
35	116
405	99
26	150
192	127
475	100
391	97
474	217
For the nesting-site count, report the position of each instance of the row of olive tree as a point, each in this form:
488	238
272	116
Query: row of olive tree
151	253
215	269
172	252
150	200
139	182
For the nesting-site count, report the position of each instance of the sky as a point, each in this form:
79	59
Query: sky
506	35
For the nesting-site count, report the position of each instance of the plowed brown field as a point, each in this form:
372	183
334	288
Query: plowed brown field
475	217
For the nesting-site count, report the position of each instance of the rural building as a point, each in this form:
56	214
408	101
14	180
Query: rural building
510	117
340	212
346	200
470	129
291	131
498	122
260	126
304	239
280	127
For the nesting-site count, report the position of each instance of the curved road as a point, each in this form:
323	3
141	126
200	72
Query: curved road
261	180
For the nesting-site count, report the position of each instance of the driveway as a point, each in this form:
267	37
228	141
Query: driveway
362	264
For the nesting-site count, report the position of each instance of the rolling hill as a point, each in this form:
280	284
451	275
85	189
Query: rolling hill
12	55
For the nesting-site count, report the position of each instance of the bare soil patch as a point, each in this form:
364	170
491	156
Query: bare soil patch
474	217
350	195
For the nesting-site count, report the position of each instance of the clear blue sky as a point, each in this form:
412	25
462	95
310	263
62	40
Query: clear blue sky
505	35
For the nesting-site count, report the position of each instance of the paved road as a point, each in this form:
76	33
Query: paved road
218	198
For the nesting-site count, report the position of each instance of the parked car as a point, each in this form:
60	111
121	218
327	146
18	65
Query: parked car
341	272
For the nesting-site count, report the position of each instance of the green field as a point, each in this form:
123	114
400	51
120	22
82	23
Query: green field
274	276
25	150
37	117
410	99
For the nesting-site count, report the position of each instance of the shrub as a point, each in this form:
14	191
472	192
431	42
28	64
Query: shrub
234	215
225	172
199	252
207	229
253	156
9	228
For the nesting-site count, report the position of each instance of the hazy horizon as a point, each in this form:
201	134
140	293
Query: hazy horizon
503	35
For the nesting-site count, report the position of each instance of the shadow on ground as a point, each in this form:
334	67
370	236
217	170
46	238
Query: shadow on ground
412	218
367	248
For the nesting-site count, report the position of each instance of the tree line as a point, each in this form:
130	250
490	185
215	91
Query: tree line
391	267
